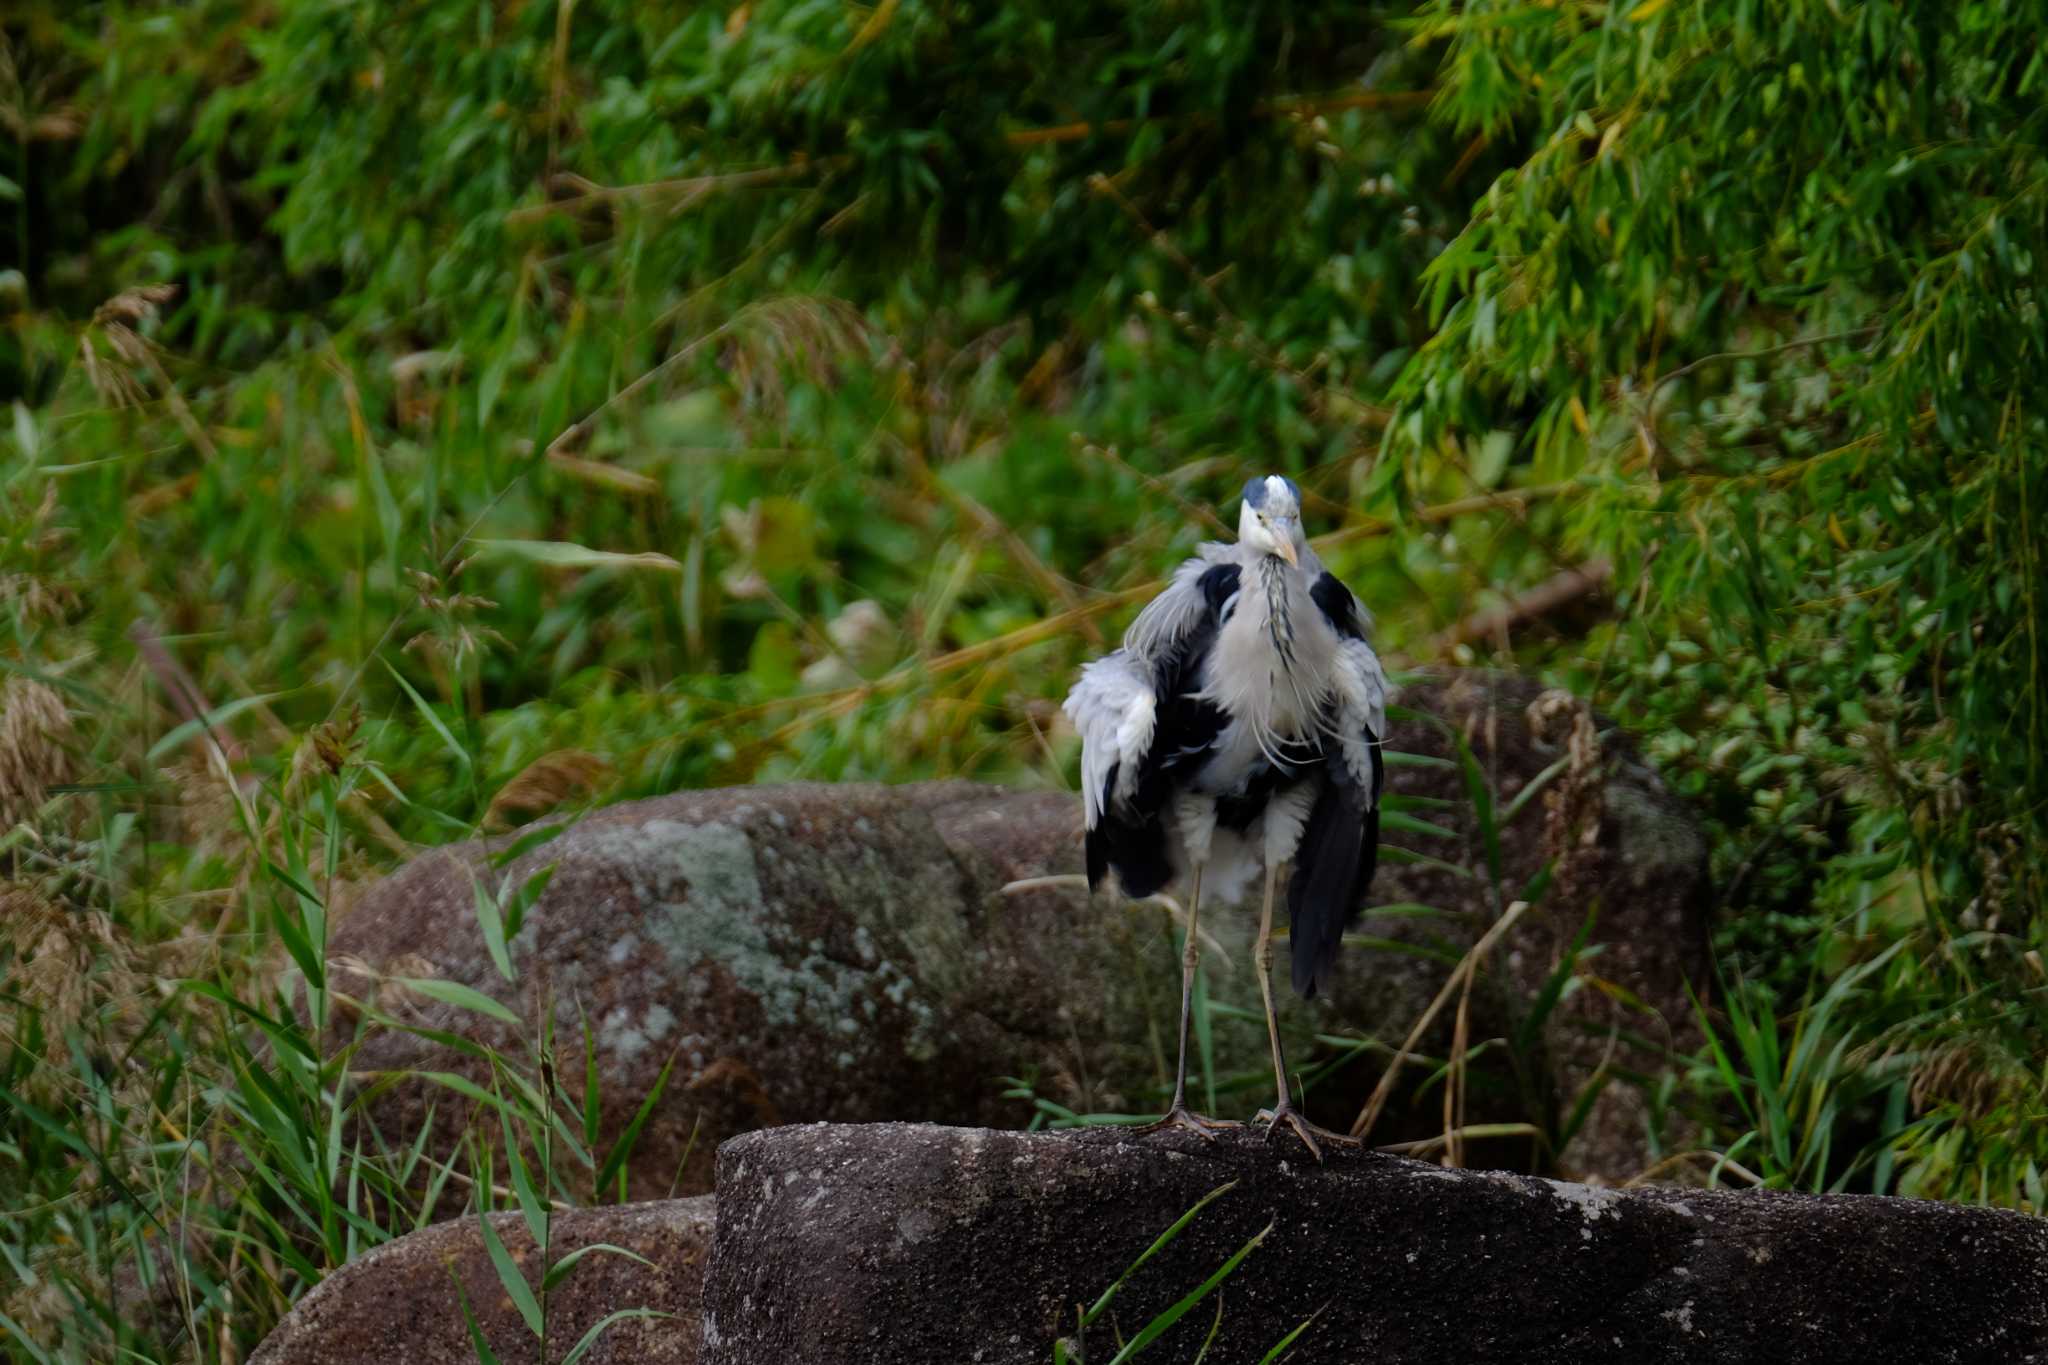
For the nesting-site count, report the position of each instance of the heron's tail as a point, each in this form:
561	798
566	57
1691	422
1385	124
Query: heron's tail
1332	869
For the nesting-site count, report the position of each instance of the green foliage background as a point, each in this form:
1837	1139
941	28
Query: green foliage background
546	380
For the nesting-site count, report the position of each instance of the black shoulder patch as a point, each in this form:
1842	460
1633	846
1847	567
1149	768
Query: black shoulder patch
1218	586
1338	606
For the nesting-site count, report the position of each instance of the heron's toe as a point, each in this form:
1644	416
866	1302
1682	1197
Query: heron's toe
1312	1135
1180	1116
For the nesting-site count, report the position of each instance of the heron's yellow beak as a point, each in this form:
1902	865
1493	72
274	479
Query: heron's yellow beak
1285	549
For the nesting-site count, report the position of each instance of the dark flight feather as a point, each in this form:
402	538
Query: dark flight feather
1333	867
1339	850
1135	847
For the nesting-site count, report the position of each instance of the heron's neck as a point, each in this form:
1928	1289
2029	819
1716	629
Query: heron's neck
1274	577
1269	672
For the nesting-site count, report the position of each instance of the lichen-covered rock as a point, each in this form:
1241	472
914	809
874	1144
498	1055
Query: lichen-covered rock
799	952
398	1305
933	1246
849	952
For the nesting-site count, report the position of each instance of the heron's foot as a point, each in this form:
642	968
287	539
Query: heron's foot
1310	1134
1180	1116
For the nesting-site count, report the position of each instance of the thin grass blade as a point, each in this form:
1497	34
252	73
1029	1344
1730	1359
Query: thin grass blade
509	1276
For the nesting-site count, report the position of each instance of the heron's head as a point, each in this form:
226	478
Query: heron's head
1270	520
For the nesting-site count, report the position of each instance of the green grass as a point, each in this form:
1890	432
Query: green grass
423	419
1074	1350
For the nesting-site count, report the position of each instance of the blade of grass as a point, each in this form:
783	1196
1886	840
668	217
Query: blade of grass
456	994
1481	793
1529	792
179	735
28	1344
484	1354
1272	1357
491	923
1529	1029
1159	1243
615	1159
597	1328
1160	1325
519	902
532	1207
559	1271
591	1093
1394	822
1215	1327
561	554
434	721
510	1276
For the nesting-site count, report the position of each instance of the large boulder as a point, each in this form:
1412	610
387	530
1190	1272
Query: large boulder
398	1304
923	1246
850	952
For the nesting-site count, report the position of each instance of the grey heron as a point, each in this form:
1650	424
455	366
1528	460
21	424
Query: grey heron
1238	729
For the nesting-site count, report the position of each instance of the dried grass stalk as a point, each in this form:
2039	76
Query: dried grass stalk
1574	806
544	784
35	754
68	971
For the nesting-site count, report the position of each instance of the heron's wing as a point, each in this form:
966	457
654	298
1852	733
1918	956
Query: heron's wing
1202	593
1358	720
1114	709
1142	722
1339	847
1137	709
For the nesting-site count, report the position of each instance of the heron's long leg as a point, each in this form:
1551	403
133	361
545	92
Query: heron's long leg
1283	1110
1190	958
1178	1115
1262	954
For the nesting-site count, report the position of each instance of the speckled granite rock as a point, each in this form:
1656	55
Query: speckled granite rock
397	1305
846	952
923	1245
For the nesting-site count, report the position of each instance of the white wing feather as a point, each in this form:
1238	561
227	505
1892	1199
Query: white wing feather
1113	708
1361	711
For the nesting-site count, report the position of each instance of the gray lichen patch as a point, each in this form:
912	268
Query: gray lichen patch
914	1225
702	902
1656	839
1592	1201
659	1021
